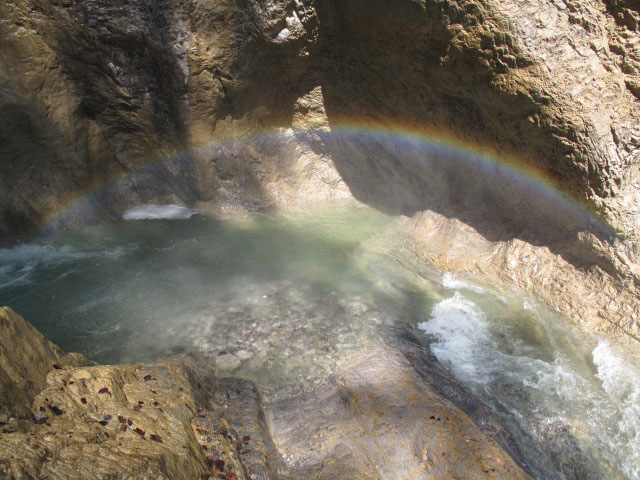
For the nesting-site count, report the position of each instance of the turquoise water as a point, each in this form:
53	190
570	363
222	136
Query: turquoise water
131	290
284	300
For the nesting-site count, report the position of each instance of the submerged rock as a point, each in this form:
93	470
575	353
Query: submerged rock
173	419
228	362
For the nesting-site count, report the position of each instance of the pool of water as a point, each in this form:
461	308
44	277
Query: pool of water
286	299
279	299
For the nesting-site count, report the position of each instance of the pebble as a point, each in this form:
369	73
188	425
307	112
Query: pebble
228	361
243	354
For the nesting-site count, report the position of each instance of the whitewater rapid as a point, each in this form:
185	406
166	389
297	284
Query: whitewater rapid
159	212
576	395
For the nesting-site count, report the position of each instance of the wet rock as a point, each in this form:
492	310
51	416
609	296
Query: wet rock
228	362
594	299
378	419
240	403
372	420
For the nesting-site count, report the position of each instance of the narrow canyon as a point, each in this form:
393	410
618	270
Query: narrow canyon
319	239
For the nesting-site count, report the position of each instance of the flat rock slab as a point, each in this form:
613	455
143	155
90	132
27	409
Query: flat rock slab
378	419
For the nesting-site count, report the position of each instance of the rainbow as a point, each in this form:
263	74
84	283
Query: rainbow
512	164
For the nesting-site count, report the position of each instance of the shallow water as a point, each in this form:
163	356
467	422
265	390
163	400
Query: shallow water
285	300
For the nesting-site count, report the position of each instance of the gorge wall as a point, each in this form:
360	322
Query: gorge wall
225	93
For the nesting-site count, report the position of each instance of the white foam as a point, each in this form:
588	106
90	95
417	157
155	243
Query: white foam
528	304
284	34
554	378
616	376
30	253
159	212
622	383
487	359
449	281
17	264
461	333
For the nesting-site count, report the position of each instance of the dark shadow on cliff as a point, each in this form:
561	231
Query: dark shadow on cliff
399	62
621	11
127	104
29	148
124	71
107	99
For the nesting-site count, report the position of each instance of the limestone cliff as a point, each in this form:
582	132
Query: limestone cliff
93	95
91	91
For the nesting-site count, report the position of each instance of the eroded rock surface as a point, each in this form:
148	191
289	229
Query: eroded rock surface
90	92
171	419
595	300
378	419
175	419
147	102
26	357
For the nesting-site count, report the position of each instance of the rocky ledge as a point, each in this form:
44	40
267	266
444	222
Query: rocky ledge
380	417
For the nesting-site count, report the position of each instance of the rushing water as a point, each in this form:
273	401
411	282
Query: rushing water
575	395
284	300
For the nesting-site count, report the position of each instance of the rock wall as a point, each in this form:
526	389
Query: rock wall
91	92
547	81
171	102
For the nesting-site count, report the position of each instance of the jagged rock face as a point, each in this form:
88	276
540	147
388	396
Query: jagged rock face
175	419
171	419
92	94
25	359
524	77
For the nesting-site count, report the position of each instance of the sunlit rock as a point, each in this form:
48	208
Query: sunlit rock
174	419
